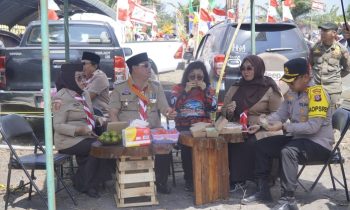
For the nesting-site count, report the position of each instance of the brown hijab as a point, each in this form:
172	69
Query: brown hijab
250	92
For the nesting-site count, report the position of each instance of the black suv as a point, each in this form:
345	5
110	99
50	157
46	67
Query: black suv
284	39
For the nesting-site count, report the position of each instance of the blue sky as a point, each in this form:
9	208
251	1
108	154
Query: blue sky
329	3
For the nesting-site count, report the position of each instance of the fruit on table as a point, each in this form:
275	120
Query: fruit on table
110	137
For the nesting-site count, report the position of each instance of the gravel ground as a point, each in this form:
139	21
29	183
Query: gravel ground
322	198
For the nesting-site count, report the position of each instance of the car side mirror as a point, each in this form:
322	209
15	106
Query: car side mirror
127	51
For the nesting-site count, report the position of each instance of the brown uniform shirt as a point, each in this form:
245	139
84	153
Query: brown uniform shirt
99	85
127	103
269	103
70	116
329	64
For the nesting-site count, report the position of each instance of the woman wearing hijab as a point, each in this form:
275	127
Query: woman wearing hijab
73	123
254	94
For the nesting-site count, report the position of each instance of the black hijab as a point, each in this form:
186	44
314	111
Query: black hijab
66	78
250	92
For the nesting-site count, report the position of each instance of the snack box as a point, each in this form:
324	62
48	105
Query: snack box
134	137
163	136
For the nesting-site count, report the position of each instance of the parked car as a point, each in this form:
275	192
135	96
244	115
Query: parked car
283	40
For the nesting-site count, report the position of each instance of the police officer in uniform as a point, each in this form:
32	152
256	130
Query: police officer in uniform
141	98
309	134
97	84
330	61
73	123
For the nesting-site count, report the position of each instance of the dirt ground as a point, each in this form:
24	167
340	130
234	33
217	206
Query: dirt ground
322	198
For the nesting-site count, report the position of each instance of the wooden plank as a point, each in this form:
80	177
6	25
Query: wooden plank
136	192
225	172
135	165
197	157
153	201
135	178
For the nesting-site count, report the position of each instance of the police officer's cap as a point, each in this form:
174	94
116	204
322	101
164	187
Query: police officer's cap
328	26
71	67
136	59
91	57
294	68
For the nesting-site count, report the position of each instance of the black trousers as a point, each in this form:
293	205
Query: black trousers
91	171
241	160
291	153
186	159
162	168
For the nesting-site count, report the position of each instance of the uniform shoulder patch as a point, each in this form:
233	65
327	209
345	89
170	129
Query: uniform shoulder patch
318	102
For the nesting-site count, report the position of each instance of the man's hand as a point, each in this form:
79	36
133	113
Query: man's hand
274	126
202	85
231	107
253	129
83	131
189	86
170	113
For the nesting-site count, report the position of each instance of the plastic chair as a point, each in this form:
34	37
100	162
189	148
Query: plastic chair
13	127
341	122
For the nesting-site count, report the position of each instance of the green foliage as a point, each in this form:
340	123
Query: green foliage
109	3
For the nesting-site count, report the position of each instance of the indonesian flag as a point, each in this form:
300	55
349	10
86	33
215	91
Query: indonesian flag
52	8
272	12
123	10
204	14
219	12
287	15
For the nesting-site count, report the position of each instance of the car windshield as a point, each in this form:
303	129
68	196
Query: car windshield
81	34
269	41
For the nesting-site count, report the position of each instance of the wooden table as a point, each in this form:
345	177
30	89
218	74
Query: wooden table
210	167
115	151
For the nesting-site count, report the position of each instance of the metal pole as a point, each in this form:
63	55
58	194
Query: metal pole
66	31
252	18
47	106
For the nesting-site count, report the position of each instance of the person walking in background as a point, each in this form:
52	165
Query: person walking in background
346	33
141	98
73	123
330	62
190	48
254	94
194	100
97	84
306	119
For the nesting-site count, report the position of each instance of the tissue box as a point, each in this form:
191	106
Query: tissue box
134	137
162	136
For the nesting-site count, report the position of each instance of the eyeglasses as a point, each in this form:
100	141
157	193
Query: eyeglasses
85	63
146	65
248	68
196	76
80	78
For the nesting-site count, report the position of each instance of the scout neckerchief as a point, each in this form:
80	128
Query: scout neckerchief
144	101
89	117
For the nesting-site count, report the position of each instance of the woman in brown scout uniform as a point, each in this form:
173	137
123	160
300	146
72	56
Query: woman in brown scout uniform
73	125
255	94
140	98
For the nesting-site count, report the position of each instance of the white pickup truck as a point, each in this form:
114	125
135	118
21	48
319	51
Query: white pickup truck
165	55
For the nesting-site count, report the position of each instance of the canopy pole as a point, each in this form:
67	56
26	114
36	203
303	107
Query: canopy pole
66	31
47	105
252	18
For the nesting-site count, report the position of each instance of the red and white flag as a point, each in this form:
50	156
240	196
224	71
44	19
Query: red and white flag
204	14
123	10
318	5
52	7
287	15
141	14
272	12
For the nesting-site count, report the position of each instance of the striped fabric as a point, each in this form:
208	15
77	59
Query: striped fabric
89	116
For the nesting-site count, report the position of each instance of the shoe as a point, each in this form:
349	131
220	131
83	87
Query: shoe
238	186
189	186
263	194
163	188
286	203
92	192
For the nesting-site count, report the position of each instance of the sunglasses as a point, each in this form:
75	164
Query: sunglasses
195	76
85	63
248	68
146	65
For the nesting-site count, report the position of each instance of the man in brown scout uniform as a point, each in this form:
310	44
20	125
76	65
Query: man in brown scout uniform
97	84
140	98
330	61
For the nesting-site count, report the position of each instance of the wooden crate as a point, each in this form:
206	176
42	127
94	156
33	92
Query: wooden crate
135	182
